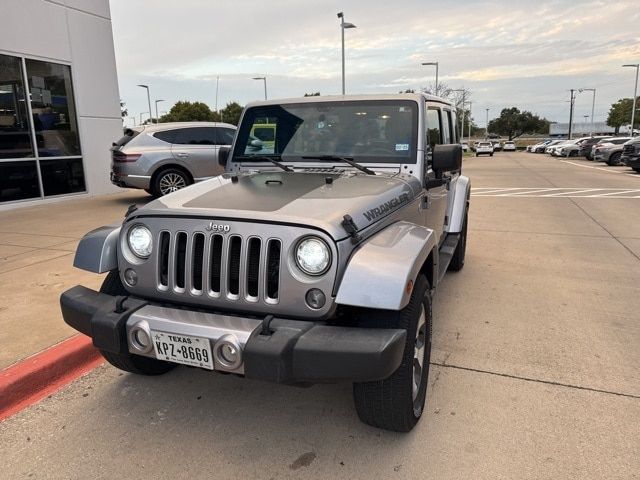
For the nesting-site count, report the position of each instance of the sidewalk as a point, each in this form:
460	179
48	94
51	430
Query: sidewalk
37	246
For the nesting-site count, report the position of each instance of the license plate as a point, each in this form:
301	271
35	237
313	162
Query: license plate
183	349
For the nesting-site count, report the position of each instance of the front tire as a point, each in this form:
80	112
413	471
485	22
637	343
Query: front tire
137	364
396	403
614	159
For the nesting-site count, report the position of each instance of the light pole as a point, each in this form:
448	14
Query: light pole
217	82
157	117
148	100
436	65
571	102
464	92
343	25
593	106
486	128
469	122
264	79
635	94
142	113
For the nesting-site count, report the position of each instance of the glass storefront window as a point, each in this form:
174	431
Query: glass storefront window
62	176
15	136
54	112
18	181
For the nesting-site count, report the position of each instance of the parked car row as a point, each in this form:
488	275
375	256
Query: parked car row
489	147
611	150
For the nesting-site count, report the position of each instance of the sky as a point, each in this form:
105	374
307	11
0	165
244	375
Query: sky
508	53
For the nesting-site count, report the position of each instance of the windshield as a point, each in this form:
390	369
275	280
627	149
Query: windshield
374	131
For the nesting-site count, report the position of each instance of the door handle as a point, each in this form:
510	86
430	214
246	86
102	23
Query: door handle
182	154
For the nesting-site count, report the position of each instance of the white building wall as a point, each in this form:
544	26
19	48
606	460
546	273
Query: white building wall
78	33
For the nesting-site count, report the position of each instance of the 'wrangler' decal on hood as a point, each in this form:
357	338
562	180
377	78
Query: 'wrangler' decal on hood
386	207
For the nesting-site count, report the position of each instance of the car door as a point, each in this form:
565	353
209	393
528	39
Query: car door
195	148
436	197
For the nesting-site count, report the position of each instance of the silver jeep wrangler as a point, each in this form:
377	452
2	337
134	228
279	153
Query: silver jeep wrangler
313	258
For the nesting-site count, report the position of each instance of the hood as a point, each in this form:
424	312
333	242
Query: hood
305	198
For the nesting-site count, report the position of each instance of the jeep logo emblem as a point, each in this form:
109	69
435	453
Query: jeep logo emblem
217	228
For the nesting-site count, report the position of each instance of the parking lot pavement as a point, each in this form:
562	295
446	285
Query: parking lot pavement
36	256
535	369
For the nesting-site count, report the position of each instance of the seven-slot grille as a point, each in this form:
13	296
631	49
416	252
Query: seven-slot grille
219	266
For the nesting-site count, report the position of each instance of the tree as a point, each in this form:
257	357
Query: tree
513	122
620	114
408	90
316	94
231	113
184	111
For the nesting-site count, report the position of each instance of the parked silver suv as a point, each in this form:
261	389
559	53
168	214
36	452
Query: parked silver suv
166	157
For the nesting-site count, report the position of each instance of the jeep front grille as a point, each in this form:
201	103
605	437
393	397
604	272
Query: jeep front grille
219	266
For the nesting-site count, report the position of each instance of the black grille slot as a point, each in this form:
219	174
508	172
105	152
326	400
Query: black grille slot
253	266
181	252
163	259
216	263
627	149
273	269
235	248
196	262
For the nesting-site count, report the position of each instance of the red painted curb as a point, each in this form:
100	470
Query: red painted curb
32	379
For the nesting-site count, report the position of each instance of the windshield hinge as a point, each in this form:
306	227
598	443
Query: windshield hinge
350	227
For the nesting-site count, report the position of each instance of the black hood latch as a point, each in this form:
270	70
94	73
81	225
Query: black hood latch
351	228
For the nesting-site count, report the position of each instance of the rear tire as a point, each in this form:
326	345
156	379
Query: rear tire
137	364
168	181
397	402
457	262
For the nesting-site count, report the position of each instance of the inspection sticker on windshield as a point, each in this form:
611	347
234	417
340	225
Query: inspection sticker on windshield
402	147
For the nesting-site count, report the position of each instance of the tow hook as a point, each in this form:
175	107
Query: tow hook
266	326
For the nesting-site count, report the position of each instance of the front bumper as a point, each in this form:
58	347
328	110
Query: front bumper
632	161
294	351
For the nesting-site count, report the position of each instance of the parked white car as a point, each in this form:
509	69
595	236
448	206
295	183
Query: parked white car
509	146
484	148
465	146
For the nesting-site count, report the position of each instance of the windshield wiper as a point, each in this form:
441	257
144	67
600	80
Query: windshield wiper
268	159
350	161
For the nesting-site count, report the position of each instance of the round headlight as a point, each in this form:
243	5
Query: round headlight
313	256
140	241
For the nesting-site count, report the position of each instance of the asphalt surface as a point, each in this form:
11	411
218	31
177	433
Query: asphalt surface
535	374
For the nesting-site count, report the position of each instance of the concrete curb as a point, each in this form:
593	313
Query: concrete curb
42	374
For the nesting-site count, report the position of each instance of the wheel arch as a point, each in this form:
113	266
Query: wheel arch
380	274
166	166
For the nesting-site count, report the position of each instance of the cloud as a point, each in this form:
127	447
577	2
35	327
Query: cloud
494	47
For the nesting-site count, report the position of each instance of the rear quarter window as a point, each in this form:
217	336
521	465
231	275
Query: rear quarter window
167	136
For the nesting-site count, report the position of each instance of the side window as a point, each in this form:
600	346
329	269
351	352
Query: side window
168	136
452	130
434	127
195	136
224	136
446	127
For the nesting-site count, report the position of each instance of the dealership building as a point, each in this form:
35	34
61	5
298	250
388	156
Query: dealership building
59	100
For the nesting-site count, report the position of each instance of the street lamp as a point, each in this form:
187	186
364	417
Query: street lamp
593	106
436	65
635	94
148	100
264	79
343	25
142	113
157	117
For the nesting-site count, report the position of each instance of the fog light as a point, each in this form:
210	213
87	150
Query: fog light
130	276
228	353
315	298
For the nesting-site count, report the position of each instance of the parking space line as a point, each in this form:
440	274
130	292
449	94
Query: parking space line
529	192
615	193
601	168
579	191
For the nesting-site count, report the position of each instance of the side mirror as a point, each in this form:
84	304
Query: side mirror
223	155
447	158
